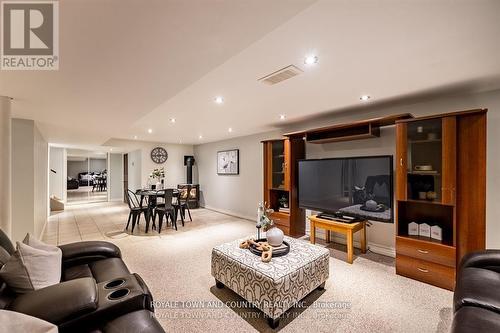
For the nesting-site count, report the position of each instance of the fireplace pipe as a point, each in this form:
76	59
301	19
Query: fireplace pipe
189	162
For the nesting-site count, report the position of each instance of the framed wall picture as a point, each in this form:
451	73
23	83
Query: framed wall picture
228	162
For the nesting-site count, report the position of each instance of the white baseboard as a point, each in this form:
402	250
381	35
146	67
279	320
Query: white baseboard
373	247
230	213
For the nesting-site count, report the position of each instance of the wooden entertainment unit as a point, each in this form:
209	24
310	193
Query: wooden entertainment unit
440	181
280	183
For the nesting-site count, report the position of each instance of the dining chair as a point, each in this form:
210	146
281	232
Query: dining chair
135	210
165	208
95	184
184	203
178	207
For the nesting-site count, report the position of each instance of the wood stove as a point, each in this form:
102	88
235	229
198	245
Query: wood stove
194	198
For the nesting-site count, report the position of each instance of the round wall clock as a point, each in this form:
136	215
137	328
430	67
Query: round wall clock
159	155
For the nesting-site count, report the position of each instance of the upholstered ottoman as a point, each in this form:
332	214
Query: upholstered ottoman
271	287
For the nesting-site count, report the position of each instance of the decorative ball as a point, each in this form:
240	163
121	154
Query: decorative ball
275	236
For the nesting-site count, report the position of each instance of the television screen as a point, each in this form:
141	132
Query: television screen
359	187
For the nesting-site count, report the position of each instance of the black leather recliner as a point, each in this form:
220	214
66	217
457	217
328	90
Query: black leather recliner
97	293
477	293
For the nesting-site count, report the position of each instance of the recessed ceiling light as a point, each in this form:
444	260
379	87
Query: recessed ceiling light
219	99
282	117
200	137
365	97
110	149
311	60
150	131
135	137
229	129
172	120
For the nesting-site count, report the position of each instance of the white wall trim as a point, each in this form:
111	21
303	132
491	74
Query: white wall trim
375	248
230	213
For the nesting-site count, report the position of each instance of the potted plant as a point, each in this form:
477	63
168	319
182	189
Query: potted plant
274	235
159	175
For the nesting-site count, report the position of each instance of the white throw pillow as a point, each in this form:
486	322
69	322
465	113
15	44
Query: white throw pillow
33	242
15	322
30	268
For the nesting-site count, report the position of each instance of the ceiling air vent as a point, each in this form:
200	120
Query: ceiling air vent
281	75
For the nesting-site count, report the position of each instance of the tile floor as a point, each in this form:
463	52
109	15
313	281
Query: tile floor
107	221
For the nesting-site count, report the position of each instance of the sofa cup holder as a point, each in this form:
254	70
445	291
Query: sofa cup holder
114	284
118	294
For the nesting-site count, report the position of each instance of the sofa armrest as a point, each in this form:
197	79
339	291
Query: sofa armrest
488	259
60	302
85	252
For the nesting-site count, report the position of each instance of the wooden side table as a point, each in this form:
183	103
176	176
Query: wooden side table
342	227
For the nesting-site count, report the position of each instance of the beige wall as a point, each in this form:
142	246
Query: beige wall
240	194
29	179
5	164
115	177
139	154
40	183
243	197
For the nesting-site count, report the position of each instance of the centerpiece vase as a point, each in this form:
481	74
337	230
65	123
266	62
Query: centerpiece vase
275	236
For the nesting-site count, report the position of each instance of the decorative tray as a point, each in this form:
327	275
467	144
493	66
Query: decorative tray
279	251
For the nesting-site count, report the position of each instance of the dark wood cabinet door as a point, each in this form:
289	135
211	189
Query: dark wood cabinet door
449	160
286	166
401	161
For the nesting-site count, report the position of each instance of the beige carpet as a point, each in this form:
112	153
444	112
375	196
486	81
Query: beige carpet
364	297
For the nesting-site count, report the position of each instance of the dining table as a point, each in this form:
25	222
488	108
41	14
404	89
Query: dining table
152	199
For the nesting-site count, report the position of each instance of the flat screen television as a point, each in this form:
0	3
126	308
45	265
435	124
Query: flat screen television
359	187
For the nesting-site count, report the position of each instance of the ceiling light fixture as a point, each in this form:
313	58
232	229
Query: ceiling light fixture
110	149
135	137
282	117
311	60
172	120
229	129
364	98
219	100
150	131
200	137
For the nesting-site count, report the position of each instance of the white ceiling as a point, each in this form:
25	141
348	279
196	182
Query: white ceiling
127	67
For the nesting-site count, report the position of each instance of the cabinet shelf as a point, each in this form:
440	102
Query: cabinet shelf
282	189
426	240
426	202
424	173
425	141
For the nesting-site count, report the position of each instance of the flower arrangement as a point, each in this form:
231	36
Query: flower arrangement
157	173
263	220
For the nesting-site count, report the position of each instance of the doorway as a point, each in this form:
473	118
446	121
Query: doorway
87	177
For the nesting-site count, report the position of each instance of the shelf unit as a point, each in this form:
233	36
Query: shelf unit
453	145
363	129
280	183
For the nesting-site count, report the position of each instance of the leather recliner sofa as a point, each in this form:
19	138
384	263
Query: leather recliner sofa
97	293
477	293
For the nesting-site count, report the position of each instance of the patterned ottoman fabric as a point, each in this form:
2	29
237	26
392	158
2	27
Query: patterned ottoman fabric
276	286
